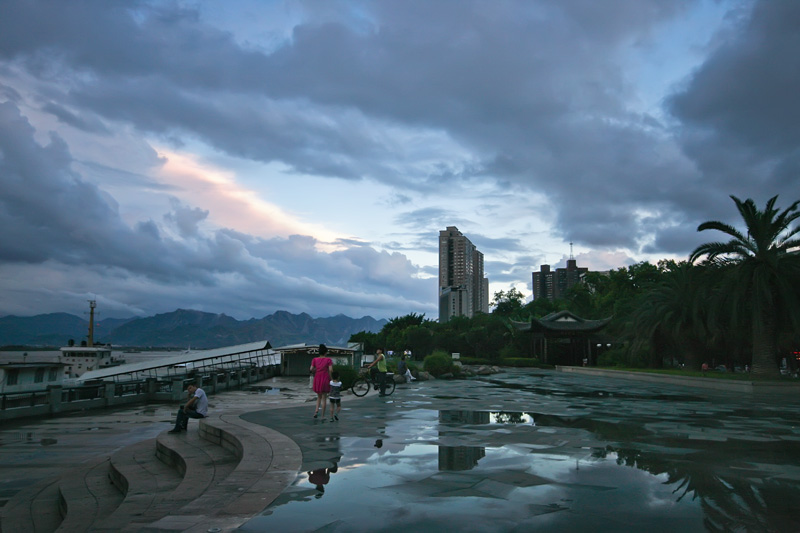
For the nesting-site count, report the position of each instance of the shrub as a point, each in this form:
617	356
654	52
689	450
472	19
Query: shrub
615	357
439	363
347	374
509	351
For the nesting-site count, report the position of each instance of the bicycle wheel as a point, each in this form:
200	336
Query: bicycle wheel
360	387
389	384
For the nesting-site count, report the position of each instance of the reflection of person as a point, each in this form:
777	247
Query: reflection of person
380	373
322	366
196	407
320	477
335	396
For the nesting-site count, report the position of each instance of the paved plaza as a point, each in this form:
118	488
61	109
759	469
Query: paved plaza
523	450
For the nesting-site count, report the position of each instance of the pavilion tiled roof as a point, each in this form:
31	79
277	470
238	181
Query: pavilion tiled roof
562	322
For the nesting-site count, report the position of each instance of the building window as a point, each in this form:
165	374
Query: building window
53	374
13	377
39	377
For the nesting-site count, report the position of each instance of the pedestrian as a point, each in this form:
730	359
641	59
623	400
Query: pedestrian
402	366
403	370
196	407
335	396
321	366
379	373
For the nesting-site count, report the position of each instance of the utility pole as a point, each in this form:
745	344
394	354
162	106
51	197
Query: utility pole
92	305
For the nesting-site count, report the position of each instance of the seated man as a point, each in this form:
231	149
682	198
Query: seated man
196	407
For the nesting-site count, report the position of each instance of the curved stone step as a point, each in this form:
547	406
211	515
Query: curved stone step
164	474
35	508
217	477
87	496
268	463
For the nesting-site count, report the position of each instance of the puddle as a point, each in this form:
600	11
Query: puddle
428	487
580	460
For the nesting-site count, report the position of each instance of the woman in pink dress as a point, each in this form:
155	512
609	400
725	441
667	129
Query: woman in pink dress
321	366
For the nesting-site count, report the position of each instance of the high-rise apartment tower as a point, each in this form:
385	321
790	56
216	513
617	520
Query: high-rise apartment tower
463	291
553	284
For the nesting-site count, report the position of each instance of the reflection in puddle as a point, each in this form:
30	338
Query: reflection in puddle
571	465
485	417
425	487
431	486
455	458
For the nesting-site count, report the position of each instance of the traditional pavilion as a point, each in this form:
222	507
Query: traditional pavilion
564	338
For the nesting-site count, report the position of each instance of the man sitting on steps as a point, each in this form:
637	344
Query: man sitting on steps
196	407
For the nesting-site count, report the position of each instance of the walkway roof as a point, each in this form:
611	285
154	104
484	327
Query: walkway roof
199	358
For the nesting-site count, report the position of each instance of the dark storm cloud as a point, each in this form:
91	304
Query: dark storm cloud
526	96
427	217
67	117
740	111
532	90
488	244
53	220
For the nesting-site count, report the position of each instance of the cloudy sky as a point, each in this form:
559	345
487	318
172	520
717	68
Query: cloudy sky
243	157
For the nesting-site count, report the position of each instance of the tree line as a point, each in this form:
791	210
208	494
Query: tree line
734	302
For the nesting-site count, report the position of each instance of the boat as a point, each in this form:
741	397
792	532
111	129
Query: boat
88	356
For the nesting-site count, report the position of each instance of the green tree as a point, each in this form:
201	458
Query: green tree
670	315
507	303
762	274
371	340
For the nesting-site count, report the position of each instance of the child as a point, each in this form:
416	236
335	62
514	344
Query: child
335	396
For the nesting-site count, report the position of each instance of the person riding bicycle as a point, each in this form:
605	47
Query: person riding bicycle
379	374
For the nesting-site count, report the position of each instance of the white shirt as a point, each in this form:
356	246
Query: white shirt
201	405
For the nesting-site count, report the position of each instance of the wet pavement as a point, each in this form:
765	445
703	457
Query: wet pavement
32	450
522	450
542	451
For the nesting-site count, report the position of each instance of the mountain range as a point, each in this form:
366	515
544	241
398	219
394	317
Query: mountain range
183	329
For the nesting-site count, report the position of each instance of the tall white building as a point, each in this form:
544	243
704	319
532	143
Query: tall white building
463	290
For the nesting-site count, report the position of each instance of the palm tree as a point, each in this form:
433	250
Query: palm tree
671	314
762	274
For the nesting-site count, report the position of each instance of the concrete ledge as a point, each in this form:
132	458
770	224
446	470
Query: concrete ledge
728	385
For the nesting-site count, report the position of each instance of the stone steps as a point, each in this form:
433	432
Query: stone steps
218	475
35	508
87	496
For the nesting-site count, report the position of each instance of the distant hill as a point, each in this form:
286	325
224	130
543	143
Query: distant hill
184	328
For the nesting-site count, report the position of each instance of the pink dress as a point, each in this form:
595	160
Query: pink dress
322	380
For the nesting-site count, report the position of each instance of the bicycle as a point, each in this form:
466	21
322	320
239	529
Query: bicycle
365	382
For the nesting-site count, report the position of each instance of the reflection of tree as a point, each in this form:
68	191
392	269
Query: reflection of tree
610	431
509	417
730	500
